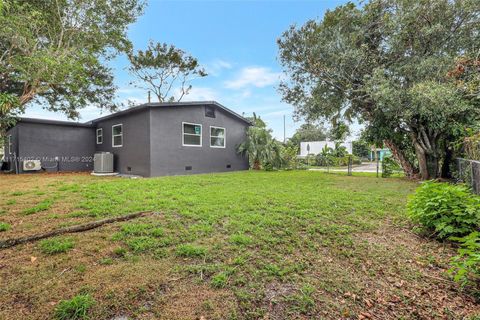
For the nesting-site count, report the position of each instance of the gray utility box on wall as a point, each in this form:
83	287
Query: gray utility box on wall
103	162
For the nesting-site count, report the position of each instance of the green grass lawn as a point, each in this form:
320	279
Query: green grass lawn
246	245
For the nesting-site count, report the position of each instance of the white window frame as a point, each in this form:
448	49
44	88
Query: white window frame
100	134
117	135
224	137
190	134
9	137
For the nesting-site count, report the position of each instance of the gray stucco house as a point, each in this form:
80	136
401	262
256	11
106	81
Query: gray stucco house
152	139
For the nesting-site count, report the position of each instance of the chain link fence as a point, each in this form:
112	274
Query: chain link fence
468	172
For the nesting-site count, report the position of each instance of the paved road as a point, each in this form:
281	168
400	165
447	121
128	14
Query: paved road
364	167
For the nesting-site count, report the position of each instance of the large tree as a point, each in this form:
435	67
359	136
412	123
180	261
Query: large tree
386	64
162	69
308	132
54	52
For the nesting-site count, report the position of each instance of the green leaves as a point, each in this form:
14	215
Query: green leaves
445	210
54	52
466	265
261	148
386	64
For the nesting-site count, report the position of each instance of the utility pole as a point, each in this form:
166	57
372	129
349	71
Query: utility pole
284	136
148	96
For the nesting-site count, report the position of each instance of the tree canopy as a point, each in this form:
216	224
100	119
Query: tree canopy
162	68
308	132
54	52
386	63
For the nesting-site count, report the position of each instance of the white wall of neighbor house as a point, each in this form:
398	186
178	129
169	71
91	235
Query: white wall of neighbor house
315	147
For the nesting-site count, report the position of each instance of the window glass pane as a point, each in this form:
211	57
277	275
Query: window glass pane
192	129
192	140
217	132
117	141
217	142
117	130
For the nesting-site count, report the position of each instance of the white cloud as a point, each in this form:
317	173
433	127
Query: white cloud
215	67
130	91
199	94
254	76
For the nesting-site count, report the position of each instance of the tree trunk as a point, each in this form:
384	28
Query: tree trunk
446	172
256	165
428	163
410	171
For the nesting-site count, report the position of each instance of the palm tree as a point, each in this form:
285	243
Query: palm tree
260	147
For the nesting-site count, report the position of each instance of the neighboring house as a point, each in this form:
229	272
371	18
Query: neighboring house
379	153
316	147
152	139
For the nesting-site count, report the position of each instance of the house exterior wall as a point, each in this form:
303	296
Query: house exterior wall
134	156
170	157
71	147
152	142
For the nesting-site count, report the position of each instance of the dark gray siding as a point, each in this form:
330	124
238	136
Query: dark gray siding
134	156
72	146
169	157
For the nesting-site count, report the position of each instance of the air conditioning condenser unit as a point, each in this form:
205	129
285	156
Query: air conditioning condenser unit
32	165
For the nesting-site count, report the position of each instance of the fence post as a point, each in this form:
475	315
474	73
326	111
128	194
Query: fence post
350	165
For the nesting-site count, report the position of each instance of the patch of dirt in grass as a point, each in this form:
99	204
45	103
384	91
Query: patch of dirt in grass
275	294
413	282
188	300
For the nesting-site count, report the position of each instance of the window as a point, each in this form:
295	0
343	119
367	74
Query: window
209	112
192	134
99	136
9	144
117	135
217	137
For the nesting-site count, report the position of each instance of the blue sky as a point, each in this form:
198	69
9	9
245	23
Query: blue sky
236	43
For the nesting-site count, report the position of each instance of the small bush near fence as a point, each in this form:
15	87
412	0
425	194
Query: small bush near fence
328	160
389	167
445	210
452	212
466	265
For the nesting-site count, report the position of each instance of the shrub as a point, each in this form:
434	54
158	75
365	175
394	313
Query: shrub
75	308
268	166
444	209
56	245
329	160
466	265
389	166
4	226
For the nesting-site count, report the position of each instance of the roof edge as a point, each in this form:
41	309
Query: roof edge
55	122
171	104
